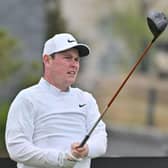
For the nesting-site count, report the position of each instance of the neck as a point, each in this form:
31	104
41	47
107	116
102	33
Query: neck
60	86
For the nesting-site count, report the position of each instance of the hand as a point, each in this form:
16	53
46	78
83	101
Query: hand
79	152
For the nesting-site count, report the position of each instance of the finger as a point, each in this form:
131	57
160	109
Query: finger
74	145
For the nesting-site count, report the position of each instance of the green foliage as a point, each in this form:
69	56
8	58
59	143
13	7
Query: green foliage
31	76
54	19
3	116
8	65
132	28
128	25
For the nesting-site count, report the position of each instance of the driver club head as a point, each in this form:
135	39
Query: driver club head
157	23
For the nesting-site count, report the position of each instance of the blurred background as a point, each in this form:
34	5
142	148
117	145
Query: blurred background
117	33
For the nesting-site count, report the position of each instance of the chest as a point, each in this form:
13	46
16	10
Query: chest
61	109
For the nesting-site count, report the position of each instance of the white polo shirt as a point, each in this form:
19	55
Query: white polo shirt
43	122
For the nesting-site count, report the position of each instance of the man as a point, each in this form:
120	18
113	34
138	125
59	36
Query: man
46	122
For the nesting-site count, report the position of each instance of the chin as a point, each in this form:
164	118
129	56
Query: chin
70	82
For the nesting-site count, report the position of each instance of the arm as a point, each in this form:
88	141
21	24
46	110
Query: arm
19	138
97	142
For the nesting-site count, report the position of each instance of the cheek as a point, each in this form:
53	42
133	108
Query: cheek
78	66
60	69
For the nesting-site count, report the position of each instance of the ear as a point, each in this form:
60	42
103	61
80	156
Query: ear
46	59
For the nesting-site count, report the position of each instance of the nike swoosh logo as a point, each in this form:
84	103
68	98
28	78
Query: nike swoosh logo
70	41
82	105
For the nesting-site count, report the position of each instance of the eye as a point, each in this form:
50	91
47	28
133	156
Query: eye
77	59
67	57
71	58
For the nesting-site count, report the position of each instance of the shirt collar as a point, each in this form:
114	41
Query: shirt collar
45	84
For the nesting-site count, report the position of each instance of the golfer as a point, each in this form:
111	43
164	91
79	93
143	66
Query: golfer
46	122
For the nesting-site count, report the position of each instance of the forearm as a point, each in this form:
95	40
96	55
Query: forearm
28	154
97	141
97	145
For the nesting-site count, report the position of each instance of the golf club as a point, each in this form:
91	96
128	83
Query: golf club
157	23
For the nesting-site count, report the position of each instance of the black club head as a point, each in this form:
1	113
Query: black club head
157	22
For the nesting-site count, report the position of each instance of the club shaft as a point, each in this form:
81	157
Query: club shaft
130	73
118	91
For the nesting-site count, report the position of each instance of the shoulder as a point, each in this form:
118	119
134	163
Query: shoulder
28	93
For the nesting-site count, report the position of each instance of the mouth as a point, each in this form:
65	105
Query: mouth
71	73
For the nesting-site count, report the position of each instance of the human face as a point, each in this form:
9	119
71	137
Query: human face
62	69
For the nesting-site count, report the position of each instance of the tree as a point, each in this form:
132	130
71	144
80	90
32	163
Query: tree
130	25
8	65
54	20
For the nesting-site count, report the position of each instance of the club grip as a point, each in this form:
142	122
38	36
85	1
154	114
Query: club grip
84	141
